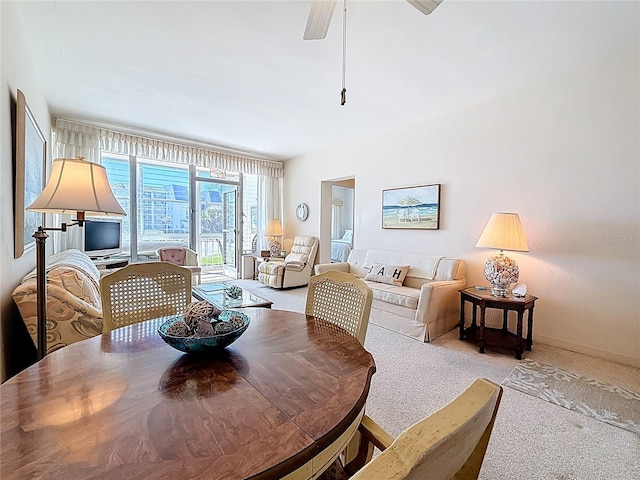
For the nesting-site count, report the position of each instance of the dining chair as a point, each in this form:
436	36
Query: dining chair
341	298
183	257
142	291
449	444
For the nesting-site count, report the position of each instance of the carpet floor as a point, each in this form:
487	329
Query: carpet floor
532	438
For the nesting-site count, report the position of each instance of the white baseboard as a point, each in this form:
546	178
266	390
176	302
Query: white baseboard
591	351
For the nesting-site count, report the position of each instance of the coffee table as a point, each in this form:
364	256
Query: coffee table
215	293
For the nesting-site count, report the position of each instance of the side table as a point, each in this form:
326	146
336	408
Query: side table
496	337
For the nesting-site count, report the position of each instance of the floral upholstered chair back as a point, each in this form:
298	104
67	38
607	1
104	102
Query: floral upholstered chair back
182	257
177	256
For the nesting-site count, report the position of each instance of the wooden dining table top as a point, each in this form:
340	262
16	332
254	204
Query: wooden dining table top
127	405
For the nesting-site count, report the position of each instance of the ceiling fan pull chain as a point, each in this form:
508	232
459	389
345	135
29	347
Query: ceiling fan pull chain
343	94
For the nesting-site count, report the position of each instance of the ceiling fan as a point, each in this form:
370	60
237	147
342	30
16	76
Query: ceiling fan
320	17
322	10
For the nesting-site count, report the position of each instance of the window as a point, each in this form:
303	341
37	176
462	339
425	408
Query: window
162	208
118	174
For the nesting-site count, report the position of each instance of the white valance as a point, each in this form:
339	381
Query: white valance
77	140
110	141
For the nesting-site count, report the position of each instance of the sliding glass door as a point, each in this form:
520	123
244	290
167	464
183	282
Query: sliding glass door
217	209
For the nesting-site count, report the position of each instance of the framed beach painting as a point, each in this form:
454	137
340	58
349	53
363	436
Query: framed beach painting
412	207
31	152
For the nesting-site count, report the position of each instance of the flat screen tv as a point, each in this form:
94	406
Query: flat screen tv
102	238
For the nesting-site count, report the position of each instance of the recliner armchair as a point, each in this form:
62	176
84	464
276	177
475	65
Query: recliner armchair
296	268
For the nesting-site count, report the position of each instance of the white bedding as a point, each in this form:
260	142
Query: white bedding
340	250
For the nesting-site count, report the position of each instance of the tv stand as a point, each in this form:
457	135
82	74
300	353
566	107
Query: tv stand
108	263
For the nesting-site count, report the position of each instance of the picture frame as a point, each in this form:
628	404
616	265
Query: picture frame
30	164
411	207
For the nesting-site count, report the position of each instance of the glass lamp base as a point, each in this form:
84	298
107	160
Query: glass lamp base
501	271
499	291
275	248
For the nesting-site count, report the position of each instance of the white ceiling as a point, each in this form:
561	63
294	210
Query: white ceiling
238	74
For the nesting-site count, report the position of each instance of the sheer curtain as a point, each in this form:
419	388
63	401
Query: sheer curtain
336	219
269	205
74	138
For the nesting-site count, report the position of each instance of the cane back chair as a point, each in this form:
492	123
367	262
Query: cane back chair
449	444
340	298
142	291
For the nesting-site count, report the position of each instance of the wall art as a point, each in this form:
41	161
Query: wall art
31	156
412	207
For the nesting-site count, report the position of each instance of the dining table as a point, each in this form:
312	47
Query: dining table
282	401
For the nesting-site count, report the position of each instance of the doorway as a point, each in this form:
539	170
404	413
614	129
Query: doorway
216	208
337	219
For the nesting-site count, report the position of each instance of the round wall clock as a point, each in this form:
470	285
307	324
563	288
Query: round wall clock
302	212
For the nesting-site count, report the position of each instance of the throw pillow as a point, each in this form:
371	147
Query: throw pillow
391	274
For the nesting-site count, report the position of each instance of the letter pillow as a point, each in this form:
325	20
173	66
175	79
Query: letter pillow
391	274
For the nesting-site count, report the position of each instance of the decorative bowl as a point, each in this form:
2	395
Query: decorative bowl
204	344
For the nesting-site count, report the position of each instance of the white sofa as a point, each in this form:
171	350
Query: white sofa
425	305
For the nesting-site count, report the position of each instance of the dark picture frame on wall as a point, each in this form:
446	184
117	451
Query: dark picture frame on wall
411	207
31	157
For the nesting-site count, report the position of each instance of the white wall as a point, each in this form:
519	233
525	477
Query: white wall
563	154
16	72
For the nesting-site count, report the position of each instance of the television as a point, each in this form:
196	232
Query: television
102	238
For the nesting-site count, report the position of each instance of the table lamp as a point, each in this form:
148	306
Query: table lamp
274	232
503	232
74	187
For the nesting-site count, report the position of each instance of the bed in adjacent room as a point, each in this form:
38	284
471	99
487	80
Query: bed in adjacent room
341	247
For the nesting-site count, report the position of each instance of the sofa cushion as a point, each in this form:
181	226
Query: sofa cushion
391	274
76	282
402	296
273	267
73	271
422	266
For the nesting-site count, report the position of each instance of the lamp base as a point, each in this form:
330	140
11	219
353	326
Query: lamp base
274	247
501	271
499	291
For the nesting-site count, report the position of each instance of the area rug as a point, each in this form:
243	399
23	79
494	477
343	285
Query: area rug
292	299
608	403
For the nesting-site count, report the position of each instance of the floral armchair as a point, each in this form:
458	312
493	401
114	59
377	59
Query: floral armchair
183	257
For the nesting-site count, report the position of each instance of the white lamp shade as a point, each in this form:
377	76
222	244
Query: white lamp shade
503	232
76	185
274	229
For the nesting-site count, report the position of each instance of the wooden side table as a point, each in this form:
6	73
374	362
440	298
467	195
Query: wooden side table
496	337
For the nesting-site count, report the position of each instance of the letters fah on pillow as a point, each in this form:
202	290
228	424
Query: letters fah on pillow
391	274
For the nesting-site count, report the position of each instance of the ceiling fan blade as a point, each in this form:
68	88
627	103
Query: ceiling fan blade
425	6
319	19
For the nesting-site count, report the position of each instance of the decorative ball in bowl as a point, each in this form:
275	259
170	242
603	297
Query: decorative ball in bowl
204	334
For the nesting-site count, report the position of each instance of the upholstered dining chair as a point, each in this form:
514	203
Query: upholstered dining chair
340	298
449	444
142	291
183	257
